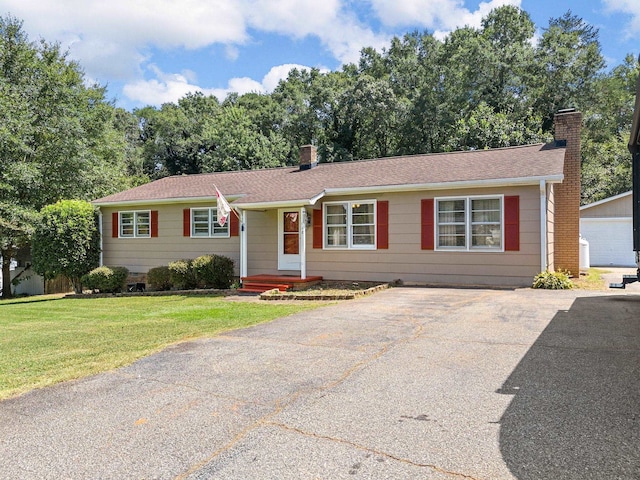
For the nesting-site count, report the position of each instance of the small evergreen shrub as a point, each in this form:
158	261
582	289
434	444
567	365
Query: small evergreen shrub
223	272
552	280
213	271
203	271
106	279
181	275
159	278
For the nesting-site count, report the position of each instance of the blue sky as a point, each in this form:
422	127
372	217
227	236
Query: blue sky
149	52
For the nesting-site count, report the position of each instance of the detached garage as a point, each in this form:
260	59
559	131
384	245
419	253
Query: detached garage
608	227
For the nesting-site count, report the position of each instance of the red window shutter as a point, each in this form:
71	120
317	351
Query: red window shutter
512	223
317	228
115	227
186	222
382	224
427	224
234	224
154	223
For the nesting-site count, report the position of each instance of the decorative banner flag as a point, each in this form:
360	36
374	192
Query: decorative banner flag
223	208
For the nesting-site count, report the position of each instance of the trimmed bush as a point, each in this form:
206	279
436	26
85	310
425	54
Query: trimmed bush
203	271
159	278
106	279
213	271
181	275
552	280
223	272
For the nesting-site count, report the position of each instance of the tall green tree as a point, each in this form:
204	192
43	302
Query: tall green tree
57	137
174	138
606	162
66	241
568	64
236	145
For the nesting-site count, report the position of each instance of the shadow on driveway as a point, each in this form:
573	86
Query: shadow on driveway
575	413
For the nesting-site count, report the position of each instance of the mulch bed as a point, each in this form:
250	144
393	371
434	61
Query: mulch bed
328	290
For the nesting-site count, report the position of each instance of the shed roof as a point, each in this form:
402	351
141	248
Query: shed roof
607	200
253	188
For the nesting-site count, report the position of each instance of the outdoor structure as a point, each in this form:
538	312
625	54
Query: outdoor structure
634	149
608	227
489	217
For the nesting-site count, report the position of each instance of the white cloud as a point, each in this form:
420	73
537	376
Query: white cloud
112	39
170	87
165	88
627	7
439	15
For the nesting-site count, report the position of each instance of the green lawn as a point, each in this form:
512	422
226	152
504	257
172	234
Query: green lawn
45	340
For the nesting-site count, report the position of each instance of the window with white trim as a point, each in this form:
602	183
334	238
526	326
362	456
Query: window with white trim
469	223
204	223
350	224
135	224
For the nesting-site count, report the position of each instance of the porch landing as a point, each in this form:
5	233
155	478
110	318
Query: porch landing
263	282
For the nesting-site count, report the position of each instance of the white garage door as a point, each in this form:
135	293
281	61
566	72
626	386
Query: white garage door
610	241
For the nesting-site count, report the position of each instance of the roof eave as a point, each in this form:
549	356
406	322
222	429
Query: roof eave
606	200
502	182
161	201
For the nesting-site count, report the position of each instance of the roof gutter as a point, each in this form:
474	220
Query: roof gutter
162	201
505	182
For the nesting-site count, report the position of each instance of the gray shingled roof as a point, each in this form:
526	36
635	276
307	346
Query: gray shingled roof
526	164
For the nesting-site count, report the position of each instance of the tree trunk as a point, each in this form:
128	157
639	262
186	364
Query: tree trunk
6	273
77	284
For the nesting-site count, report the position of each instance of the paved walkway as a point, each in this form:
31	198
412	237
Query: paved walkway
407	384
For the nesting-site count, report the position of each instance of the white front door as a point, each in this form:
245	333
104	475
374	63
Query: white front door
289	225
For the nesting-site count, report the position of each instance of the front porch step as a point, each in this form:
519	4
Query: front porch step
263	282
255	287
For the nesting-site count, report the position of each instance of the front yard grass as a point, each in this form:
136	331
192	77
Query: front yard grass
46	340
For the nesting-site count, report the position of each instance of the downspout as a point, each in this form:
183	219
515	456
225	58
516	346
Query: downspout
101	240
243	244
543	226
303	243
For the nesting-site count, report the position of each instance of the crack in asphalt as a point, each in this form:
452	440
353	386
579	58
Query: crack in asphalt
372	450
289	399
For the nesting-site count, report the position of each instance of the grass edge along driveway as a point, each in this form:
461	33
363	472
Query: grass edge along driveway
44	341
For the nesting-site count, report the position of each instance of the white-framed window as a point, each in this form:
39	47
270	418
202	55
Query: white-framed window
470	223
204	223
350	224
135	224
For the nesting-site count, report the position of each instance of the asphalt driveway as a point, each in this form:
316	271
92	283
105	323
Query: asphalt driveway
409	383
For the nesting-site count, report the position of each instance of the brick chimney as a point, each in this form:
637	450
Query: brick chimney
567	194
308	157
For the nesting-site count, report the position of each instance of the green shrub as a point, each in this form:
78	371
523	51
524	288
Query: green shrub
213	271
106	279
66	241
203	271
159	278
181	275
223	272
552	280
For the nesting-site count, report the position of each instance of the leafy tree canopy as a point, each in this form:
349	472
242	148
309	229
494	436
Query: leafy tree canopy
66	241
57	139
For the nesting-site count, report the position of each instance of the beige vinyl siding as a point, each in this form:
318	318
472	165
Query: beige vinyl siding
405	260
141	254
262	242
